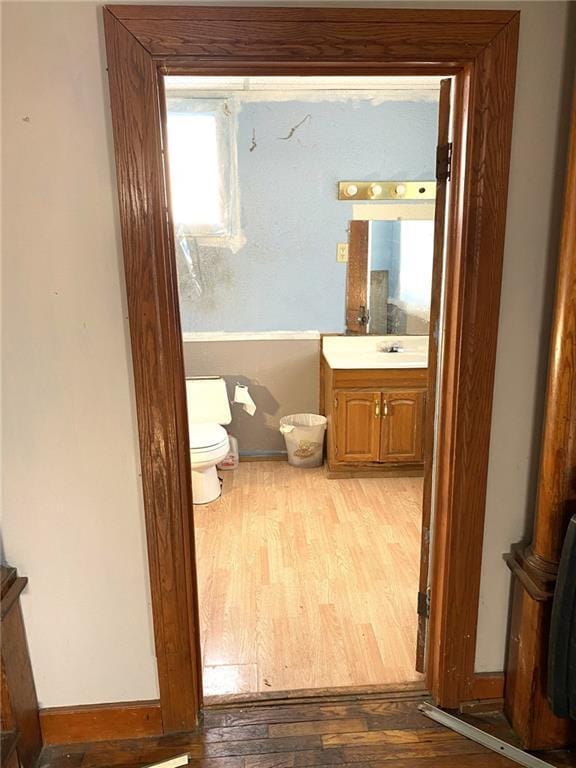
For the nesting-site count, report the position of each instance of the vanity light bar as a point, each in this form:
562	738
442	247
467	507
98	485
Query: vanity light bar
386	190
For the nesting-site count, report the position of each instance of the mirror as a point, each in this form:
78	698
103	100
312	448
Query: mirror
389	276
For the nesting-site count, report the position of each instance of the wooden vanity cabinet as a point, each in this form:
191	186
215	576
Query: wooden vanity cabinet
375	420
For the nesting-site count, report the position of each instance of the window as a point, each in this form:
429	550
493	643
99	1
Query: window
199	151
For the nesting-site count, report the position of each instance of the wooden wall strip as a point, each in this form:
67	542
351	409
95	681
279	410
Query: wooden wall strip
98	722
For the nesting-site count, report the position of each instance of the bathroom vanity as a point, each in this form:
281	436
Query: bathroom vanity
375	403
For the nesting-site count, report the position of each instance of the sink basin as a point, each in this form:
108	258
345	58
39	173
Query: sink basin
356	352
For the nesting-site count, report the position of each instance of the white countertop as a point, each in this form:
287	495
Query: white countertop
200	336
357	352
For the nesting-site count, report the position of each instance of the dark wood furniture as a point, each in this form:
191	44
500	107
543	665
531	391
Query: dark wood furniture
478	48
20	725
534	567
376	420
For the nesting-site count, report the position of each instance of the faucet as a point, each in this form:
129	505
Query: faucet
394	347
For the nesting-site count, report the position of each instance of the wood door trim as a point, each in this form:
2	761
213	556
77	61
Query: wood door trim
342	15
444	115
476	229
151	288
479	47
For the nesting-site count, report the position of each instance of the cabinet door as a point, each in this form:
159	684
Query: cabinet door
357	417
402	425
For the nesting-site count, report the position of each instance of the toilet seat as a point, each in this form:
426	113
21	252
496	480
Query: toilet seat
207	437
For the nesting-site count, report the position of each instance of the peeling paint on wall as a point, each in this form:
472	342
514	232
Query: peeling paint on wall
281	271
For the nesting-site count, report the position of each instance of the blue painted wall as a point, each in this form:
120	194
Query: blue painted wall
286	276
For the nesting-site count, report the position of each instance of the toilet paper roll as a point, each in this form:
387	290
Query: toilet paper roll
242	396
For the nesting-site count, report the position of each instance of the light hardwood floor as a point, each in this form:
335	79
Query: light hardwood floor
306	582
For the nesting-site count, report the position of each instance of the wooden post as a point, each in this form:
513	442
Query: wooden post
535	567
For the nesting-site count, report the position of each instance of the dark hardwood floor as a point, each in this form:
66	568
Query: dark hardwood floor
361	732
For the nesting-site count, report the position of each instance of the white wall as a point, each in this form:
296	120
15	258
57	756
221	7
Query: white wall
73	518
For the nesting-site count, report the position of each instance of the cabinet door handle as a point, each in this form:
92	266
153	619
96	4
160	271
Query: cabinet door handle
377	409
385	408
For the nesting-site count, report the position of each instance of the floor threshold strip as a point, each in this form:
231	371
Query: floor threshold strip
481	737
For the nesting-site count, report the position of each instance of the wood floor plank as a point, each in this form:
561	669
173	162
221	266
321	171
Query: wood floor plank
483	760
261	746
308	581
222	678
269	761
238	733
385	711
384	754
345	725
387	737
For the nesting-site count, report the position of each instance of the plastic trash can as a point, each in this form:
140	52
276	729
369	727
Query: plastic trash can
304	437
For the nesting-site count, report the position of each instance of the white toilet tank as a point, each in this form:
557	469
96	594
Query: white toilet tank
207	400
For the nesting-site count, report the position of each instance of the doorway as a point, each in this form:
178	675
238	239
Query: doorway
478	48
308	570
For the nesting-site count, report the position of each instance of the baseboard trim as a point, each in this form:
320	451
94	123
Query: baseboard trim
99	722
481	707
485	685
264	457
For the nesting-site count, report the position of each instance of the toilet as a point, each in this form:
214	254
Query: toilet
208	409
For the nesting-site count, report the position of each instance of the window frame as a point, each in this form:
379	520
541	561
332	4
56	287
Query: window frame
224	111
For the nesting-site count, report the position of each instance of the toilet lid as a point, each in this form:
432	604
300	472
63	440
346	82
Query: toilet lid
206	436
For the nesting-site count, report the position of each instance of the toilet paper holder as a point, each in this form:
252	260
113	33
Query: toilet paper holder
244	399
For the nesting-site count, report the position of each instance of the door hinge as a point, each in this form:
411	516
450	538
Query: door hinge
444	162
424	604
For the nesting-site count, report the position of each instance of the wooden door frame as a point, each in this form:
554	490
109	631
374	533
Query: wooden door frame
479	48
